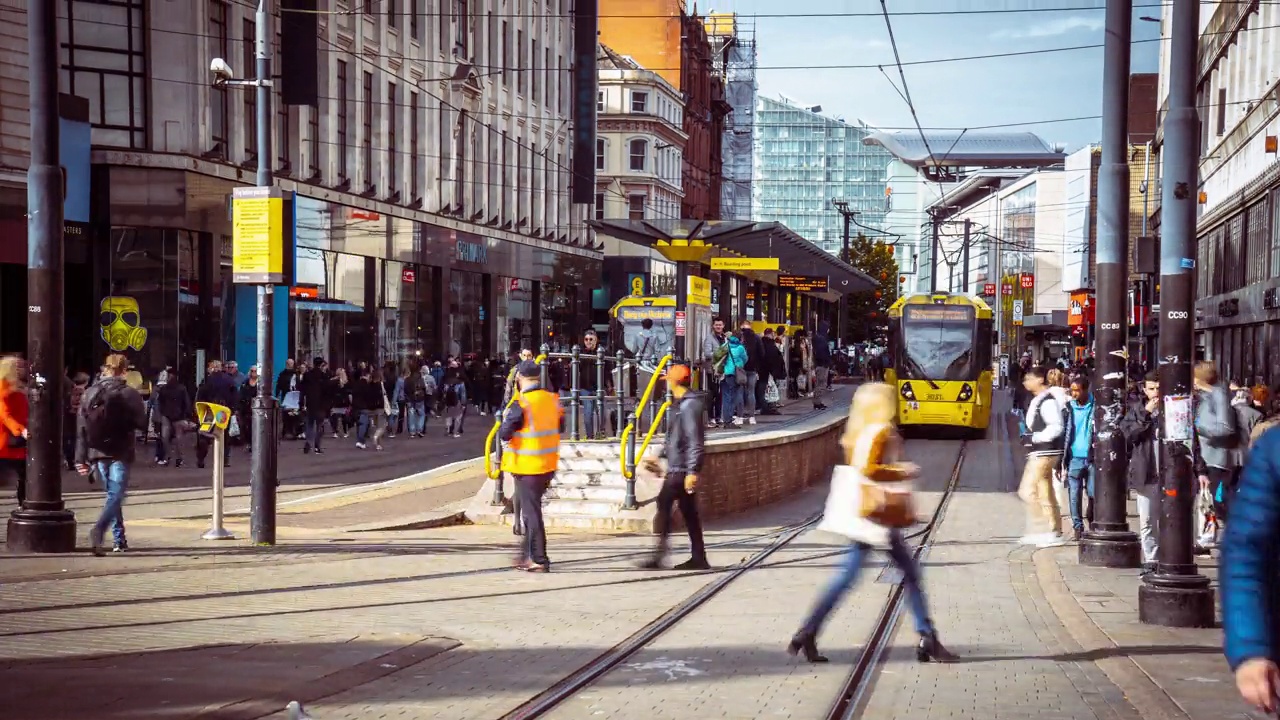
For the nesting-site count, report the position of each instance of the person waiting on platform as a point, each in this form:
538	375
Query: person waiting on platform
531	427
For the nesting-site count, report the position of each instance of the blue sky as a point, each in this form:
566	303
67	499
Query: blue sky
961	94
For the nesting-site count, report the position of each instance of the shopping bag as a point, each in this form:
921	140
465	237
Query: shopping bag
843	515
233	428
292	400
771	394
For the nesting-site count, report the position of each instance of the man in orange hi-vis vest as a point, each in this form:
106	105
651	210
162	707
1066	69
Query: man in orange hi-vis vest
531	429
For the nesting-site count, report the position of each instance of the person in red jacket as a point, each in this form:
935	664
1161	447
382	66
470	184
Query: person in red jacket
13	421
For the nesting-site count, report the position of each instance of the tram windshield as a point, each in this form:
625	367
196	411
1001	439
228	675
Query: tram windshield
938	342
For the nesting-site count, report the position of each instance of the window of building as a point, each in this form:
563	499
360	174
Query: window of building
535	82
599	101
491	43
462	25
522	76
639	102
218	94
415	147
415	20
1275	234
635	207
546	68
109	68
446	23
344	104
506	54
1222	110
366	122
313	147
599	206
601	146
393	13
250	98
638	151
393	126
1257	243
561	99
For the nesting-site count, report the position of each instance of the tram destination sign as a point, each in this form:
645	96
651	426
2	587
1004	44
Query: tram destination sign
804	283
938	313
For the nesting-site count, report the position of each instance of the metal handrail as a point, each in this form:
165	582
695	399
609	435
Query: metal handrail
628	469
662	410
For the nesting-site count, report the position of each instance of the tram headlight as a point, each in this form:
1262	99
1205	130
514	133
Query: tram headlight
966	393
906	392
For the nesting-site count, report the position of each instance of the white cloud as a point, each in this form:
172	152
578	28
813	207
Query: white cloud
1052	28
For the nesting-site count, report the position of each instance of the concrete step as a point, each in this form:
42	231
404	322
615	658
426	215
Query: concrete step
593	493
588	465
595	508
599	450
629	523
613	478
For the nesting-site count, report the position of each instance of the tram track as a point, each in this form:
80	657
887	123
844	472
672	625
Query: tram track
852	691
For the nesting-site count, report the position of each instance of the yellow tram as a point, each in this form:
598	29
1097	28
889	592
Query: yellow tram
940	345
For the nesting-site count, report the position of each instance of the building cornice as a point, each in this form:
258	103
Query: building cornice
650	124
163	161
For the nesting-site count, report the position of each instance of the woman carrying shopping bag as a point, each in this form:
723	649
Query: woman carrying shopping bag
870	503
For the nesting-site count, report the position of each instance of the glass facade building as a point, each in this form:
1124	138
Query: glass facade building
803	160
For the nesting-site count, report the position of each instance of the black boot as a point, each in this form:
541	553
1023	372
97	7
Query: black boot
931	648
805	641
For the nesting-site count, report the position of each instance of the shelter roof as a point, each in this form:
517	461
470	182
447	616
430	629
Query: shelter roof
745	238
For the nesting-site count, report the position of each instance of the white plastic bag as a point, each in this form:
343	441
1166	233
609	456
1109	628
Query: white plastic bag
771	394
233	428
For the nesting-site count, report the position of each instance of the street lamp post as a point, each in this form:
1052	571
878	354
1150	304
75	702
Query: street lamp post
1108	542
1176	594
43	524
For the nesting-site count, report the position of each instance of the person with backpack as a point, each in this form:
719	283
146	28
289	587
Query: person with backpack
415	396
1045	423
111	413
733	378
455	401
1218	433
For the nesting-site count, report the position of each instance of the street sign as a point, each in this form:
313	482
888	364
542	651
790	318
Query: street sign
681	323
1017	312
731	263
804	283
699	291
257	236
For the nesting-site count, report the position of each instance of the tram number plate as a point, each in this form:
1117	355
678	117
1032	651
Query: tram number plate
933	397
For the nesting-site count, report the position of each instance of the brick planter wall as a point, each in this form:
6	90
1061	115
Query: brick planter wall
752	472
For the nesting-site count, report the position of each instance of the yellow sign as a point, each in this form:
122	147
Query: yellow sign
663	314
212	415
732	263
257	236
699	291
637	285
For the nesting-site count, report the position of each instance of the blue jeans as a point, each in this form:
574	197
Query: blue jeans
417	417
362	427
847	576
1079	477
314	431
729	399
589	415
115	480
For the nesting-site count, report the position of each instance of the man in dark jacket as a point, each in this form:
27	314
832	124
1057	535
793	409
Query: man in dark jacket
111	413
1139	429
1250	583
172	407
685	445
317	399
821	363
750	343
773	366
218	389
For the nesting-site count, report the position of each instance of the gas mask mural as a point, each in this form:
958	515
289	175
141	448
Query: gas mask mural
121	324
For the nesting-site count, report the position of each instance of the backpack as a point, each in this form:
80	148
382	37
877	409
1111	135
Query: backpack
451	396
103	429
417	389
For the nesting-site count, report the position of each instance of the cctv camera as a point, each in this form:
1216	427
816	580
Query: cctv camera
221	71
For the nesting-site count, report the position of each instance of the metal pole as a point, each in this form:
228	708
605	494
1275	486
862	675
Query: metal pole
1108	542
262	474
933	257
574	400
43	524
1176	594
599	410
629	500
965	286
682	292
844	300
216	530
619	387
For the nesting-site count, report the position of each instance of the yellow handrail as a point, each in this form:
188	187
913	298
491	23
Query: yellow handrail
493	433
644	400
657	420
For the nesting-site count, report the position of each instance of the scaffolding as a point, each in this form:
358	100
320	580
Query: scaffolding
733	45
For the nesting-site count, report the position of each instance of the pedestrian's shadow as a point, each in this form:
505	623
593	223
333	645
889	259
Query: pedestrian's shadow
973	654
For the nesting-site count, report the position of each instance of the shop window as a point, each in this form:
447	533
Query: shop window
466	313
513	316
560	322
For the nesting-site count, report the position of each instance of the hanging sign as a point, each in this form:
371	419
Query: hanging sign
257	236
989	289
1006	289
1027	281
732	263
804	283
409	275
699	291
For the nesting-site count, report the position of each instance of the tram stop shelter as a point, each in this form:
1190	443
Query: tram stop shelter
692	245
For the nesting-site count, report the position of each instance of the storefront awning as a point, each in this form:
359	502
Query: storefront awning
744	238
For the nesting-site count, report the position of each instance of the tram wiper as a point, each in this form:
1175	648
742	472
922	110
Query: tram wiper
920	371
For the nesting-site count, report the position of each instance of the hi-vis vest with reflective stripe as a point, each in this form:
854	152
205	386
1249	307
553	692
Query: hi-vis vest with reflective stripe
535	448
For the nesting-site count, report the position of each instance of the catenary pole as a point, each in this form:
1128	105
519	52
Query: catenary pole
1108	542
262	474
1176	594
43	524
